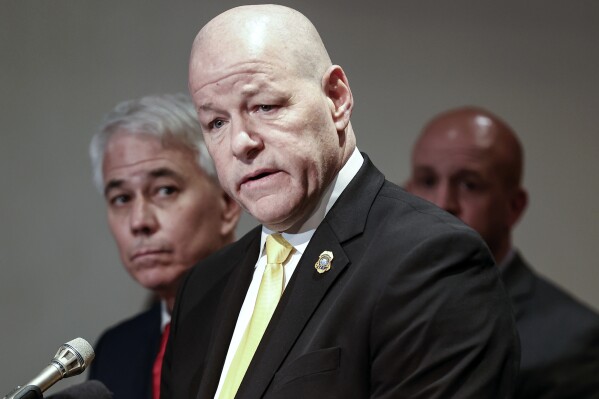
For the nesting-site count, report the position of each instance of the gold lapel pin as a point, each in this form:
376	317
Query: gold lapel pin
323	264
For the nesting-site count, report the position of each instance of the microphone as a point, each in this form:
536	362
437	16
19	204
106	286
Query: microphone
92	389
71	359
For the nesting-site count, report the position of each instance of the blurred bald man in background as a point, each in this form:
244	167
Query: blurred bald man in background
470	163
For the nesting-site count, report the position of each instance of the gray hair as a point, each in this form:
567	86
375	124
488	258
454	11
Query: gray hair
166	116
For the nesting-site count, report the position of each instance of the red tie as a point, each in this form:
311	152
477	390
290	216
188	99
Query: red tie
158	363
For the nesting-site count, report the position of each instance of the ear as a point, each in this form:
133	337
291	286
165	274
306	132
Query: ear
341	101
518	203
231	211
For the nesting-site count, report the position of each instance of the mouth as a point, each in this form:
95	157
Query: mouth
148	253
258	175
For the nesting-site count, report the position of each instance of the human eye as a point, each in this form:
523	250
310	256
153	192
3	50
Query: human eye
471	185
167	191
216	124
425	181
266	107
118	200
269	109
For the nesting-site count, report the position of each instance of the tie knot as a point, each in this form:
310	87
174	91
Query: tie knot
277	249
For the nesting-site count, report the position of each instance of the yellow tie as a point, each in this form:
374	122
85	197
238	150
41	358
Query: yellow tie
269	293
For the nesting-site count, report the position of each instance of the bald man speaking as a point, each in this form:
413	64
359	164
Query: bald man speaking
469	162
351	287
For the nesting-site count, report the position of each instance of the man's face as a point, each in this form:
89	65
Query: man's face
271	135
164	212
461	174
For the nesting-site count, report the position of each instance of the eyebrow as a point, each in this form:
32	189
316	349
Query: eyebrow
467	173
112	184
164	172
206	107
153	174
251	90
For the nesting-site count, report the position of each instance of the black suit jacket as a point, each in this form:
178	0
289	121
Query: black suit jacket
559	337
412	307
125	355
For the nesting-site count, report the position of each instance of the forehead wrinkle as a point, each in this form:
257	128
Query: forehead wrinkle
214	75
154	173
163	171
252	85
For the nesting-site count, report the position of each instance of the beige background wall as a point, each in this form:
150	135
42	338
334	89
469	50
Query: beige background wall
63	64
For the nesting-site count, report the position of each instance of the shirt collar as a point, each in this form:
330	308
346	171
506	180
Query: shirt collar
301	239
165	316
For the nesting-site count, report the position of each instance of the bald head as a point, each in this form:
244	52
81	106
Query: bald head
258	32
469	162
485	134
274	111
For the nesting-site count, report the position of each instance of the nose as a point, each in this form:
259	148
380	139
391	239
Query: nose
143	220
447	199
246	143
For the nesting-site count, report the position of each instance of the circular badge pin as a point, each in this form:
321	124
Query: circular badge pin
324	262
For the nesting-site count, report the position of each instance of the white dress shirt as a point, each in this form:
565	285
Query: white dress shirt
165	316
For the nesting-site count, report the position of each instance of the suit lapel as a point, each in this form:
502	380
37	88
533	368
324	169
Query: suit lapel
302	296
228	311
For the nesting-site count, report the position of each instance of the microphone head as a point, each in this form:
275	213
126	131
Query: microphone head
73	357
83	348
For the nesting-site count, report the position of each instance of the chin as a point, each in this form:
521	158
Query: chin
271	219
155	282
279	213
